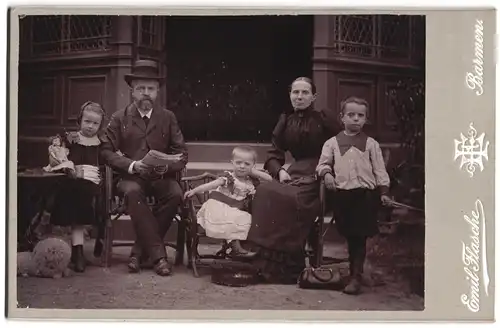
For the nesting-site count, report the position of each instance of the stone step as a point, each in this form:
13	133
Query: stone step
196	168
123	231
221	151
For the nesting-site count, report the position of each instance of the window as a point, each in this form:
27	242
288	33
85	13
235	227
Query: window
149	30
381	37
56	34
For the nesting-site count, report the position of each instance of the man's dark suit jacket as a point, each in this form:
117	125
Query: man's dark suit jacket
127	133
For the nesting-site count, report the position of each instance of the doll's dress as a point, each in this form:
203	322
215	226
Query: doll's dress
61	153
222	221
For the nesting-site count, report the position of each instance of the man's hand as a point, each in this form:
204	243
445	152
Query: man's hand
284	176
386	200
329	181
141	168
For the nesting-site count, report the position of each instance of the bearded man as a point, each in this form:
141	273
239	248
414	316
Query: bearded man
142	126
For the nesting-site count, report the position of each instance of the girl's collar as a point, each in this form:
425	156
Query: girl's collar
88	141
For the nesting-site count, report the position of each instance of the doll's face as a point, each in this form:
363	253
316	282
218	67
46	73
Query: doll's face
56	142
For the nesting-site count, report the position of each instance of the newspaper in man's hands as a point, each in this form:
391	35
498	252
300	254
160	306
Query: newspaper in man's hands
157	158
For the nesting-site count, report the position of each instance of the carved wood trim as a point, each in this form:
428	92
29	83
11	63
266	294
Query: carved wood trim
30	115
371	82
357	61
69	79
387	104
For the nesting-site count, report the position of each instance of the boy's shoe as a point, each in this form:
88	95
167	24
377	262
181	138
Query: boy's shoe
354	287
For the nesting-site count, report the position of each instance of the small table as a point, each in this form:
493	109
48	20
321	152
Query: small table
35	187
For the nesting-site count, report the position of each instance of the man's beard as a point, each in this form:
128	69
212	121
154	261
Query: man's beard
145	104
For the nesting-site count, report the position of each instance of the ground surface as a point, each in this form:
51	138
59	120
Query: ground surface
115	288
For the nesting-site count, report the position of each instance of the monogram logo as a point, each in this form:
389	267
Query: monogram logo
471	150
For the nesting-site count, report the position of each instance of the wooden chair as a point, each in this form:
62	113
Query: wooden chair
113	207
194	233
316	241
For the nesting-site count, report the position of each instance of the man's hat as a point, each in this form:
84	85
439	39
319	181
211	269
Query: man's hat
144	70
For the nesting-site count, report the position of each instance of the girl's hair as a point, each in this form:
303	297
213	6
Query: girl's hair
92	107
245	149
305	79
356	100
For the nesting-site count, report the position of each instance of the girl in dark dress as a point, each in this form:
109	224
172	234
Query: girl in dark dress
284	211
74	203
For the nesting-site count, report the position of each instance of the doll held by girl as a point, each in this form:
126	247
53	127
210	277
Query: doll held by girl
58	155
352	164
224	215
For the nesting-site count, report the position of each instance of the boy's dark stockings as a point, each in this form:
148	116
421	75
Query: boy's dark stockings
357	252
78	259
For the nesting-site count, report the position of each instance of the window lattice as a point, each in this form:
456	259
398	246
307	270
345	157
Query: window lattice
355	35
148	31
394	36
53	34
391	37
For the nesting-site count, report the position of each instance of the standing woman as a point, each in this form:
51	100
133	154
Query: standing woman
283	213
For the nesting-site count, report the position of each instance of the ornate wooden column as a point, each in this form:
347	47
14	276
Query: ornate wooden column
323	73
123	40
150	42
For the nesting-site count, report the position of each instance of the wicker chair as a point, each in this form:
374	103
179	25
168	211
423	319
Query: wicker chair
315	243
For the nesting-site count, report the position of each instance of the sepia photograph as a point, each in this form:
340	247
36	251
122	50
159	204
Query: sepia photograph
211	162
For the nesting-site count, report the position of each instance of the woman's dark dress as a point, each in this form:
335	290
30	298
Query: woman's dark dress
281	228
74	202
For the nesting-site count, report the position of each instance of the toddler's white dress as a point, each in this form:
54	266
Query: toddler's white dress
222	221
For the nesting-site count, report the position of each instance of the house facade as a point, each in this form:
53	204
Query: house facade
227	77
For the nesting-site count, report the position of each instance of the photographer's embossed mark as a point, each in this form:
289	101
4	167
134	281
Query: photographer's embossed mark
471	150
474	259
475	80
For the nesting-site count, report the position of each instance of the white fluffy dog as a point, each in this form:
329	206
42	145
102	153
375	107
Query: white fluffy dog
50	259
